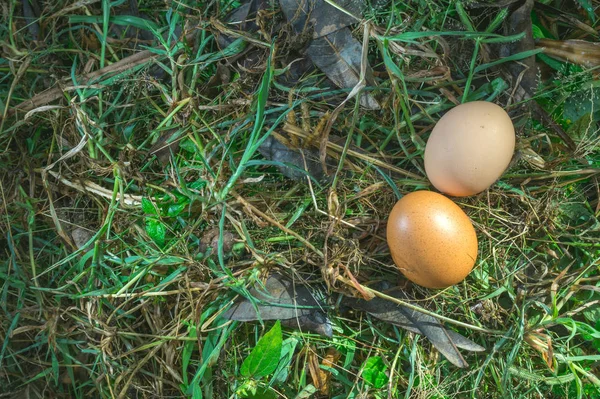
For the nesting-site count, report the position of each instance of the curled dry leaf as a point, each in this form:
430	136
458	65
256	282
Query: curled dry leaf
542	343
321	377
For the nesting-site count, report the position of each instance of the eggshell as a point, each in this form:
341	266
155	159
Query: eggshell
469	148
432	241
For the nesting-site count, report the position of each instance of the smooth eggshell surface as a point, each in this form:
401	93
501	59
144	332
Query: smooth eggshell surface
469	148
432	241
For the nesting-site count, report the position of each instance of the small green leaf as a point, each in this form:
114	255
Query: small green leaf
148	207
198	184
537	32
55	369
156	230
374	372
265	356
175	209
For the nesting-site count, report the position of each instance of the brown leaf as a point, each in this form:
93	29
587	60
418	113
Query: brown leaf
323	376
210	239
543	344
214	85
166	146
578	52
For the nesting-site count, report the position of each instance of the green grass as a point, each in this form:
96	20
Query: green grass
106	290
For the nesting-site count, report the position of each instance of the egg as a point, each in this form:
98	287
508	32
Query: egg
431	240
469	148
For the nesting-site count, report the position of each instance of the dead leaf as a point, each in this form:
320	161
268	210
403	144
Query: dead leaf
333	49
578	52
542	343
210	239
166	146
31	13
530	156
294	163
242	19
280	299
445	341
319	16
339	56
81	236
321	382
214	86
524	71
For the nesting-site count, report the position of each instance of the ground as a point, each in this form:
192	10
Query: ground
137	201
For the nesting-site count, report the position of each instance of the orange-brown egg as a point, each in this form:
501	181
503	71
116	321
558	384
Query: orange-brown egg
432	241
469	148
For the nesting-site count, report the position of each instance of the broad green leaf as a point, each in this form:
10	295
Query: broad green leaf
148	207
582	103
265	356
374	372
156	230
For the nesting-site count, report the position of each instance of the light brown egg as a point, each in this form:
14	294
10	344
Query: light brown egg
432	241
469	148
